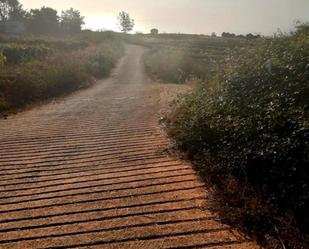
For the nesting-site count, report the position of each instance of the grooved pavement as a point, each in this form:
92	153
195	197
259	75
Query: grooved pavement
87	171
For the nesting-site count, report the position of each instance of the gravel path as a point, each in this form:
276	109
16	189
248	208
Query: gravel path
87	171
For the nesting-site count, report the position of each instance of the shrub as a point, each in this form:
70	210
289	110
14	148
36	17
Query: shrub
178	65
2	59
252	123
59	73
16	53
167	65
102	58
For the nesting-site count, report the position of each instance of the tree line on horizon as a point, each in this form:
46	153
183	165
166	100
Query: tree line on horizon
232	35
42	21
47	21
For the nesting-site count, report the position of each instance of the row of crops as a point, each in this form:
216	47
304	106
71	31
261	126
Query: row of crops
181	59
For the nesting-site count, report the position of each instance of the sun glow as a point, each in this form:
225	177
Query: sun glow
101	23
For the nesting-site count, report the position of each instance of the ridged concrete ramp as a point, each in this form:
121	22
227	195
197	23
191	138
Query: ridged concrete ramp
87	171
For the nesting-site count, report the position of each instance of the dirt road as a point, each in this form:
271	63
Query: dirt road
87	171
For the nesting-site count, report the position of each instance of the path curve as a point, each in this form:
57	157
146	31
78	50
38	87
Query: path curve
87	171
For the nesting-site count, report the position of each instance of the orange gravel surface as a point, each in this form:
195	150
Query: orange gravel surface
87	171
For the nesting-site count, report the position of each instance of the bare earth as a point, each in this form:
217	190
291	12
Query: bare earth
87	171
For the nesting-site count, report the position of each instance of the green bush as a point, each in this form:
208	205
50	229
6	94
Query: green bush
252	123
178	65
59	73
167	65
16	53
2	59
101	59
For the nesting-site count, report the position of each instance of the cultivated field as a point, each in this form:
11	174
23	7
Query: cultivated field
179	58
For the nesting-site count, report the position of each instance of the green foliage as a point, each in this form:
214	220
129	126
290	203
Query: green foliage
66	43
25	48
302	28
154	31
15	53
252	122
173	68
11	10
71	21
178	65
178	58
125	22
2	59
43	21
101	58
61	72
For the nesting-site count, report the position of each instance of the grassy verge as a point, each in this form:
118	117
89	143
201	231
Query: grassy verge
33	70
247	132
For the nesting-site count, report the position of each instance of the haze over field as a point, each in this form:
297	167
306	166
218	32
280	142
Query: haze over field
189	16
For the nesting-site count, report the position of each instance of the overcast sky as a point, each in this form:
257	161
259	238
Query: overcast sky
188	16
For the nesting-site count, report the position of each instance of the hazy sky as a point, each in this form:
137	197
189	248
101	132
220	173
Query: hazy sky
188	16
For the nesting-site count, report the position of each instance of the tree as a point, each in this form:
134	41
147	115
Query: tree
302	28
11	10
125	22
4	10
43	21
250	36
154	31
213	34
228	35
71	21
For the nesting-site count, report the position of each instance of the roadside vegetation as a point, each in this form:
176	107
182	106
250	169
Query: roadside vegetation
52	57
40	70
246	127
179	58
